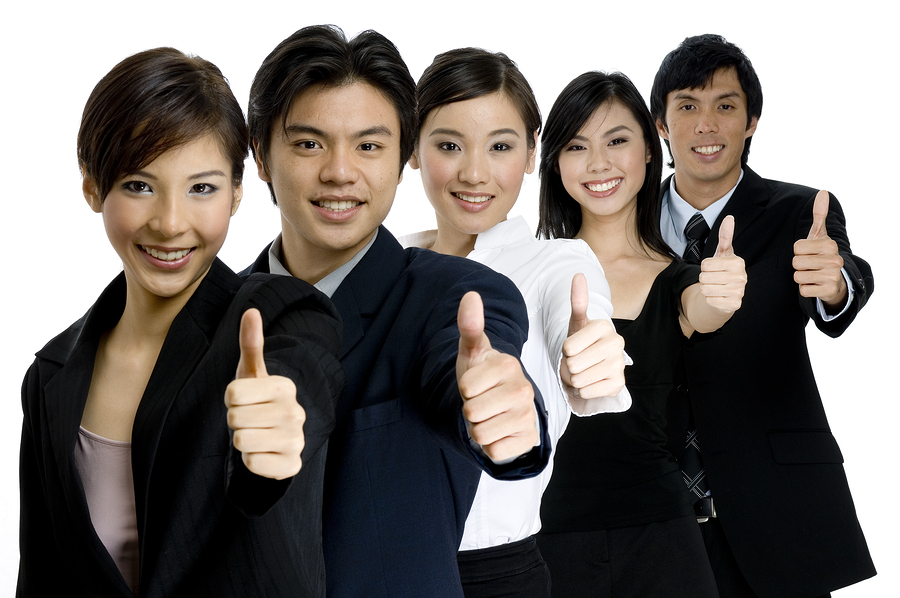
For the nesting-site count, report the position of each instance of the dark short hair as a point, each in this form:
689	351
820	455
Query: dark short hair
559	213
321	55
468	73
150	103
693	64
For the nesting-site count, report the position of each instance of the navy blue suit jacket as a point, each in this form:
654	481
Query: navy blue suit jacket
401	475
773	466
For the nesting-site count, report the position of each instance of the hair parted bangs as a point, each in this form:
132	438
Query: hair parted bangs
154	101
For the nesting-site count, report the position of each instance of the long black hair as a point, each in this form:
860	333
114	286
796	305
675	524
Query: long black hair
560	214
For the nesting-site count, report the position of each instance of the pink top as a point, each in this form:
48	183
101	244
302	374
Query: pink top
105	469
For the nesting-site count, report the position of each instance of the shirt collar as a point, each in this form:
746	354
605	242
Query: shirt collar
330	283
681	211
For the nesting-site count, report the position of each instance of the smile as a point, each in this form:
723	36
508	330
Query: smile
707	150
337	205
472	198
599	188
165	256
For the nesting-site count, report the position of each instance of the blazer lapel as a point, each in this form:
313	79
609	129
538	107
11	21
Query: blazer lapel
748	203
187	342
362	293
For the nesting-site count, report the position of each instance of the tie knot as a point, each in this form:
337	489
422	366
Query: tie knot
696	228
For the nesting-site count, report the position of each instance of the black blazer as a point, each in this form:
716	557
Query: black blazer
401	475
206	525
773	466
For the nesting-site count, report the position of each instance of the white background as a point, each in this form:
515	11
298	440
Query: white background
829	76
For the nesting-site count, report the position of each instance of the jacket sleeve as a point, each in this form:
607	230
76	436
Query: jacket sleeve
302	342
506	325
857	269
40	563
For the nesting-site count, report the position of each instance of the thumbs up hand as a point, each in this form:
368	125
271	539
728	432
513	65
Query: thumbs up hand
817	263
498	400
723	276
263	410
593	359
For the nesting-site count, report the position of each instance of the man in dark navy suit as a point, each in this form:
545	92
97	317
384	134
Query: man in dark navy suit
777	514
435	391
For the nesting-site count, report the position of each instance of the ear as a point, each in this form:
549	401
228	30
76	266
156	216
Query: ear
529	166
91	195
661	129
261	169
236	201
649	153
414	160
751	129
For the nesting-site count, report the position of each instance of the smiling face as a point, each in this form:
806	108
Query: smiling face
334	170
604	166
706	128
168	221
473	156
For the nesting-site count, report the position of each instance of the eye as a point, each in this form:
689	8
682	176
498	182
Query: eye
137	187
574	148
618	141
687	107
307	144
368	146
204	189
501	147
448	146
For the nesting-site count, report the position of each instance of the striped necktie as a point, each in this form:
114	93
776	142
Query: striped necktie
696	232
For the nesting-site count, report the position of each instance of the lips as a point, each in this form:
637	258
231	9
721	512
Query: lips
339	205
166	256
604	186
708	150
480	198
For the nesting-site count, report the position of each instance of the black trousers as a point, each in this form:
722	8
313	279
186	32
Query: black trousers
511	570
657	560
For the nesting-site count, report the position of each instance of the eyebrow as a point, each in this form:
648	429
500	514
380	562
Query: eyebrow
299	129
683	95
199	175
455	133
612	131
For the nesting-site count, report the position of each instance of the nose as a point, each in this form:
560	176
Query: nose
599	160
339	167
474	169
169	219
707	122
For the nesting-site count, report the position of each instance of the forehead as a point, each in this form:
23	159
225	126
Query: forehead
342	109
488	113
609	115
724	83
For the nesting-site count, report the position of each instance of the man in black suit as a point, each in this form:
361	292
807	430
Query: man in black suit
781	521
435	392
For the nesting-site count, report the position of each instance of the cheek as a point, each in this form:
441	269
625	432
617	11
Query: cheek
569	173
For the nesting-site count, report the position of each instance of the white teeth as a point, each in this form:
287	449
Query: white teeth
604	186
169	256
708	149
337	206
473	198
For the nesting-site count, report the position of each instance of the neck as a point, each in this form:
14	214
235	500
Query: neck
702	194
450	241
613	236
311	263
147	317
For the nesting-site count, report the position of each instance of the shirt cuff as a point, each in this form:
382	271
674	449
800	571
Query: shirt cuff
820	306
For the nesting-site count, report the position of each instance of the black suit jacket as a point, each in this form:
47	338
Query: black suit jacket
401	475
773	466
206	525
